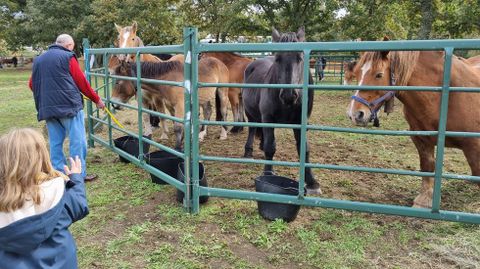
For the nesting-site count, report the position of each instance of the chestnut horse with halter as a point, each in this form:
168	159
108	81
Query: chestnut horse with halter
421	108
236	65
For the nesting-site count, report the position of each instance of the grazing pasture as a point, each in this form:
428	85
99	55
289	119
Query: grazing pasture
136	224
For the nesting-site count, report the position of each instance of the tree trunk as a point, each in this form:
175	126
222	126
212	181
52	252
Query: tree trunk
426	7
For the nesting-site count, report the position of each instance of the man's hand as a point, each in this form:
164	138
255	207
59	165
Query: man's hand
100	104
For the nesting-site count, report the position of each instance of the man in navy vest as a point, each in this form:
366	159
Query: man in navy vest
57	83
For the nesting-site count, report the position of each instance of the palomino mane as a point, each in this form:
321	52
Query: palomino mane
403	63
155	69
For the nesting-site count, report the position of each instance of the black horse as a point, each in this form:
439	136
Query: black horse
277	105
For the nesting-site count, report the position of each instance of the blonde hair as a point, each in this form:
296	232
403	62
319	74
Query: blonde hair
24	165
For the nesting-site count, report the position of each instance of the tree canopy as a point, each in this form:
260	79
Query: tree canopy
37	22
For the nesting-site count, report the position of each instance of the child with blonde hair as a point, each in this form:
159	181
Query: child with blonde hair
37	204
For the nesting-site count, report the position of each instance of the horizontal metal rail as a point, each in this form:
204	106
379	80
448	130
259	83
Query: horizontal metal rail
143	50
339	129
343	204
339	87
396	45
144	80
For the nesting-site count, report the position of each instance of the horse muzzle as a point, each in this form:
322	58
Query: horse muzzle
361	118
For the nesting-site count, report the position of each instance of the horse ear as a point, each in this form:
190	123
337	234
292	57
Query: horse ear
386	38
301	34
119	28
134	27
275	35
384	53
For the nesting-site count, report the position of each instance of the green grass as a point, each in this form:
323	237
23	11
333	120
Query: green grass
134	223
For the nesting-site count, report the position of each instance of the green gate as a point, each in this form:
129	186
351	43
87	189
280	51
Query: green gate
191	48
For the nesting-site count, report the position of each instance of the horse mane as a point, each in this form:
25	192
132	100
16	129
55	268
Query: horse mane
403	63
288	37
155	69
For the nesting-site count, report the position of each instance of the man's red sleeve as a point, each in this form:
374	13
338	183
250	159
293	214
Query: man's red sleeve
30	83
81	81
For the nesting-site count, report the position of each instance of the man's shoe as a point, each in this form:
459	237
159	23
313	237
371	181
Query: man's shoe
90	177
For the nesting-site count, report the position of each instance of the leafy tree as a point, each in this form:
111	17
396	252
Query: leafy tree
158	22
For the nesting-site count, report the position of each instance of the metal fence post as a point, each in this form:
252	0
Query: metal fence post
86	47
442	127
195	150
187	126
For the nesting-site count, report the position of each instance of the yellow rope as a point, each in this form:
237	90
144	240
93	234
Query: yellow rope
110	115
113	118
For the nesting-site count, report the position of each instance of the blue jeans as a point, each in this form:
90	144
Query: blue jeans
74	128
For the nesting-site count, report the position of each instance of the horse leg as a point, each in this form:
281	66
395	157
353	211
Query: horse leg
235	97
471	152
147	127
178	127
222	95
161	109
312	185
427	164
269	148
249	144
207	112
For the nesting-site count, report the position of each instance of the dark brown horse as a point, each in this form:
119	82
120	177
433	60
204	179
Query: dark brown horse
236	65
278	105
421	108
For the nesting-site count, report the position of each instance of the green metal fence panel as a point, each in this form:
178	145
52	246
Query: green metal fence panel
192	157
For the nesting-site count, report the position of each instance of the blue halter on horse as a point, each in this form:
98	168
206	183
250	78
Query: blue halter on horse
376	104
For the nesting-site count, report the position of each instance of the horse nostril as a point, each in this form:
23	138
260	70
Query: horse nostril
359	115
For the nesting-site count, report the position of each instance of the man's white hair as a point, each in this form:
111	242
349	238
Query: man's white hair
64	39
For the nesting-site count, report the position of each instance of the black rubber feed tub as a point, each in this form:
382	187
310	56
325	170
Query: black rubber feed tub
278	185
165	162
181	177
129	144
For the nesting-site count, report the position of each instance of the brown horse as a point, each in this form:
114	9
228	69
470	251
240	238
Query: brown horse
421	108
348	74
474	61
236	65
210	70
127	38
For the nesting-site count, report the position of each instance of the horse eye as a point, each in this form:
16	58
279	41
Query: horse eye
133	39
379	75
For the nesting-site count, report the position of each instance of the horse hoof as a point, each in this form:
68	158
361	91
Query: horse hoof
314	191
223	137
164	137
248	155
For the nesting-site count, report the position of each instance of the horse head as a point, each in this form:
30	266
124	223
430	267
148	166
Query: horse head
348	75
127	38
373	69
288	66
123	90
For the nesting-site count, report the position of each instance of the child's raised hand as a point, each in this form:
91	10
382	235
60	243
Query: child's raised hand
75	164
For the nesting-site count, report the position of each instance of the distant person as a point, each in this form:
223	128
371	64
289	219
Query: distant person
57	83
14	61
321	64
37	204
